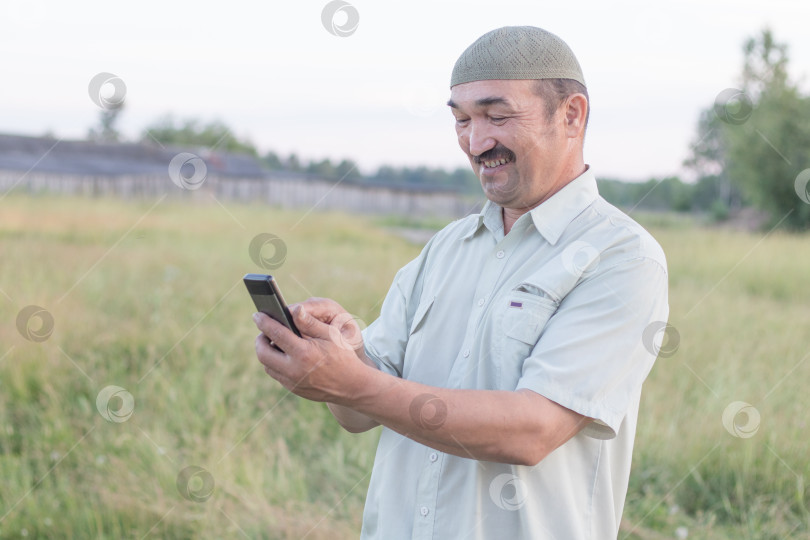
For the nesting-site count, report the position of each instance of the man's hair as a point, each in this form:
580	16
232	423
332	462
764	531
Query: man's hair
555	91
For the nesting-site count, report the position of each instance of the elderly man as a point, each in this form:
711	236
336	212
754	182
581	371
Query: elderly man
507	362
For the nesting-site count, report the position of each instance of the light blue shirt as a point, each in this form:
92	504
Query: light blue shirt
558	306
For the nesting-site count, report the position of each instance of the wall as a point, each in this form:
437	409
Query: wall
281	190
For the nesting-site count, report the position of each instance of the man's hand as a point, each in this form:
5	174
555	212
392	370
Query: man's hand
326	363
344	329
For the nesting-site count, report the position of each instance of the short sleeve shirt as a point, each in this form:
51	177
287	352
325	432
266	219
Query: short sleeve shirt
563	305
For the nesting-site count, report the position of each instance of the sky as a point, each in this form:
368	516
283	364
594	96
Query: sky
277	74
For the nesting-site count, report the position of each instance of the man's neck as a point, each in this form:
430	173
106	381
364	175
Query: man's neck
511	215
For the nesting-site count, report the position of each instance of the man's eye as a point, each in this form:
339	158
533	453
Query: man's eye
497	119
462	121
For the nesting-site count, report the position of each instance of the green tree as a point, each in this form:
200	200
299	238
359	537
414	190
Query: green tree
214	135
347	169
323	168
709	160
273	161
706	193
461	179
293	163
758	138
669	193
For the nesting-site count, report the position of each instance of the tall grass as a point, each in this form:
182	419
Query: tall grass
148	298
741	306
159	309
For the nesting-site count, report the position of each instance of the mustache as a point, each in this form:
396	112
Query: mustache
499	152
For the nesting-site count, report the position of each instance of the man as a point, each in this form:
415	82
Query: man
507	362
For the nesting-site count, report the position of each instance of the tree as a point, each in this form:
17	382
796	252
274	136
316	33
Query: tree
323	168
293	163
461	179
757	138
709	160
272	160
106	130
214	135
347	169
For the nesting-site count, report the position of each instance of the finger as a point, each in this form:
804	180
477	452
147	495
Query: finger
277	333
273	373
309	325
275	363
344	329
323	309
267	354
351	333
279	377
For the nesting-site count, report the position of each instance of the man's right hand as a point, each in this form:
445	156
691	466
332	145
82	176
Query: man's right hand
343	327
346	332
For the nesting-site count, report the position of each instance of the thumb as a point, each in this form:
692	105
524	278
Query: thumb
309	325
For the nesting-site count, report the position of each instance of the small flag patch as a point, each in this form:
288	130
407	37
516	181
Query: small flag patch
516	304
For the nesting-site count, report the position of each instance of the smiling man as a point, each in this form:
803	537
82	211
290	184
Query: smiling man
507	362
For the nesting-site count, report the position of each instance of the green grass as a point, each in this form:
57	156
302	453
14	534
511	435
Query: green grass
150	299
740	304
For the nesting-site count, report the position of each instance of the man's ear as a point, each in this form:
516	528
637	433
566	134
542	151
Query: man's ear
576	112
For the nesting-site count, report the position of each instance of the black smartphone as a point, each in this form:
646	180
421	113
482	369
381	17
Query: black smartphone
267	298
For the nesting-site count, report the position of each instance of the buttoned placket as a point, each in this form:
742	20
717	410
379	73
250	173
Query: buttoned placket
426	494
490	277
428	484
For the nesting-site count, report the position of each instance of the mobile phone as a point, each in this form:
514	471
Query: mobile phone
267	298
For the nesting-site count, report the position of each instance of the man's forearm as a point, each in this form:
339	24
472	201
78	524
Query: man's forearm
351	420
518	427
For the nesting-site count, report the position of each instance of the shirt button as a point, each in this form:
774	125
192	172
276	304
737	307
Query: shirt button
434	456
480	302
424	510
466	353
500	254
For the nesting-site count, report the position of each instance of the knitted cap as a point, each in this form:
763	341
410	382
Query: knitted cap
517	52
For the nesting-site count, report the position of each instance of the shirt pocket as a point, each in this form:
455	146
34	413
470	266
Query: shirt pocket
524	316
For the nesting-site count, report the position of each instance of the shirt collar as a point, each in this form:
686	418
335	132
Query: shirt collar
551	217
490	216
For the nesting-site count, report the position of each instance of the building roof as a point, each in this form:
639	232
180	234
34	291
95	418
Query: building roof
49	155
59	156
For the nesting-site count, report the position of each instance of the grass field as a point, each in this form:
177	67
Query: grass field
148	297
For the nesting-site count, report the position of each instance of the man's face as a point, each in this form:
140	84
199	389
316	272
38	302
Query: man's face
519	155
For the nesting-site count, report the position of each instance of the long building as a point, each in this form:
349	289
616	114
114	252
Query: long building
50	165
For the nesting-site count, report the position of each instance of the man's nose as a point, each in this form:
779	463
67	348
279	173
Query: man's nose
480	139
